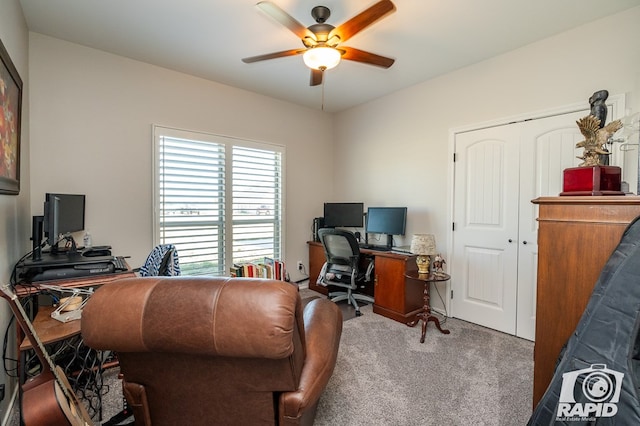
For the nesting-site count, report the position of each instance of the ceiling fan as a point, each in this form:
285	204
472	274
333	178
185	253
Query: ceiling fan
321	41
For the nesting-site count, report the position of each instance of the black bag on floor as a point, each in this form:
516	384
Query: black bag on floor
596	379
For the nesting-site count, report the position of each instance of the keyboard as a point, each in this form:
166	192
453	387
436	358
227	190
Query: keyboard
119	263
400	251
373	247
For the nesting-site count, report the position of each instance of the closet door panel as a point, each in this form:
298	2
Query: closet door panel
547	148
486	218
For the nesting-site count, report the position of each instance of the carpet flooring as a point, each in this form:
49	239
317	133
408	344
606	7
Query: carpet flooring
385	376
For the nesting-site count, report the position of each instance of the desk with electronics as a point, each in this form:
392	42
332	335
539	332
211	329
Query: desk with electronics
52	333
396	296
47	292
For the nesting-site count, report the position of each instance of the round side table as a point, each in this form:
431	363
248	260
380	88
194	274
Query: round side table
425	314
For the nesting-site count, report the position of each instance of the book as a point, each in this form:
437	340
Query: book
270	269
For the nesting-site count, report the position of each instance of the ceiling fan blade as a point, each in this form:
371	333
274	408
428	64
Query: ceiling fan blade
351	54
362	20
316	77
285	19
273	55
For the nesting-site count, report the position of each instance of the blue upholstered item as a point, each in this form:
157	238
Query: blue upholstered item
162	261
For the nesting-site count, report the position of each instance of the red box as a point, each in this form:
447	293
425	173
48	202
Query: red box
593	180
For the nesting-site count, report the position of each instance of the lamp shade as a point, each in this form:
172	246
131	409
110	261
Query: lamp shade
321	58
423	244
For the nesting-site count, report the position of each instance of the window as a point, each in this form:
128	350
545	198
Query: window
217	199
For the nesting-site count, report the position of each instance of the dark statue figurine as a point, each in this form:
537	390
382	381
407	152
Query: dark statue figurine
599	110
598	106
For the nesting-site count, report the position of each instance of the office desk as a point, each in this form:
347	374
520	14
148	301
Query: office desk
23	290
66	335
394	298
48	329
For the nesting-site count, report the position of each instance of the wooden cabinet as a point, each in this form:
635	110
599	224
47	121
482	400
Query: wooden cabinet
316	260
395	296
576	236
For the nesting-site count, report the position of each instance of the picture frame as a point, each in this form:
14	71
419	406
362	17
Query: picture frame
10	124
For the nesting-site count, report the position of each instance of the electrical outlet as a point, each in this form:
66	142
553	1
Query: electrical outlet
300	265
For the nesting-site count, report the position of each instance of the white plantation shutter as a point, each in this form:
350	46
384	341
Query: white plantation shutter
217	199
257	184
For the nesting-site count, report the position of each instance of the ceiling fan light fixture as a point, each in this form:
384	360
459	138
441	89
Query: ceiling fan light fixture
321	58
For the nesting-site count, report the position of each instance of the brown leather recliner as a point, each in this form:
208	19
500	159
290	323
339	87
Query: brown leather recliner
216	351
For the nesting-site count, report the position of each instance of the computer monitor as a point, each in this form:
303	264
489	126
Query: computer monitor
343	215
387	220
63	214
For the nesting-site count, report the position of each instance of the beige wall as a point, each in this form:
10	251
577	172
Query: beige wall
406	135
15	222
91	131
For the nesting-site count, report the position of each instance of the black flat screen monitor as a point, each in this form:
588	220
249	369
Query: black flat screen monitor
387	220
63	214
343	215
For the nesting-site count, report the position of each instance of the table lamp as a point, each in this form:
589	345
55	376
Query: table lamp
424	245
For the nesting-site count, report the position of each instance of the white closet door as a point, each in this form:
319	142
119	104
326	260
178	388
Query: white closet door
497	173
486	227
547	148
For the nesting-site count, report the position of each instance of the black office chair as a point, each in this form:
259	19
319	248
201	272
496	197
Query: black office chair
342	268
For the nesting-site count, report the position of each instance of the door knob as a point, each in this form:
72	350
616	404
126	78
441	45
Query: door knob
510	240
524	242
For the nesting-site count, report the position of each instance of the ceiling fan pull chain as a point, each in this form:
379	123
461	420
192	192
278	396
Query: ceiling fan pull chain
322	106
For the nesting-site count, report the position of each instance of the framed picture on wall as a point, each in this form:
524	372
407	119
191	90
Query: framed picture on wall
10	119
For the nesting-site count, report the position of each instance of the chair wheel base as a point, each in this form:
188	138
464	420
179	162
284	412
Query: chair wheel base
358	313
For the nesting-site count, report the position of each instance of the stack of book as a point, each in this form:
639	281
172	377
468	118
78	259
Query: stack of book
268	268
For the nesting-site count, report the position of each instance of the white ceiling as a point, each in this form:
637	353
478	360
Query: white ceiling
207	39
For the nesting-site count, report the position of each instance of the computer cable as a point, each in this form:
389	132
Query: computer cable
13	280
303	270
444	306
88	379
9	371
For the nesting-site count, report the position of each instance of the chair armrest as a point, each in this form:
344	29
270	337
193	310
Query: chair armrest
323	329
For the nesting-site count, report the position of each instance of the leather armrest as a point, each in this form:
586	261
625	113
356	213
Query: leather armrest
323	329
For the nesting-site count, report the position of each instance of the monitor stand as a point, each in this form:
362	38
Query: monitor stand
71	250
389	241
37	229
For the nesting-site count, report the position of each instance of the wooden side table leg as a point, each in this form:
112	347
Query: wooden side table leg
424	312
437	322
424	330
425	315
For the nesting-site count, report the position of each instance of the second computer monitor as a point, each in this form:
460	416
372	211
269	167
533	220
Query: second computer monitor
63	214
387	220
